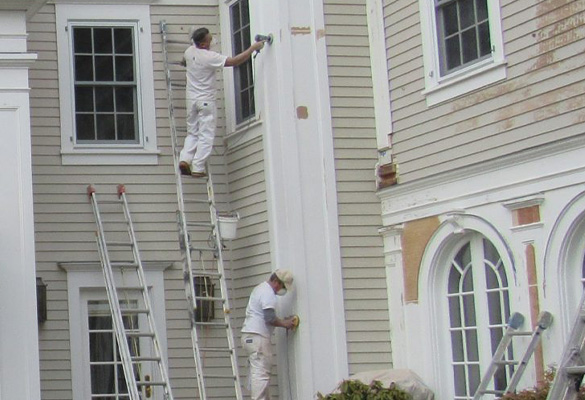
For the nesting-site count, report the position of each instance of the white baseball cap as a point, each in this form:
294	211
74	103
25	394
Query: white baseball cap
285	276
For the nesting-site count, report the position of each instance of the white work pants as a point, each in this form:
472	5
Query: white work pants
259	352
200	133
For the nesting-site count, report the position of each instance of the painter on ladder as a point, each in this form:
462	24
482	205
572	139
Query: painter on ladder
201	63
258	327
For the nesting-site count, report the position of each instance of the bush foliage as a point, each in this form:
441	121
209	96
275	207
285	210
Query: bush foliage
356	390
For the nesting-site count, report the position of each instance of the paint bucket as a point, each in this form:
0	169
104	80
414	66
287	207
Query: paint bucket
228	224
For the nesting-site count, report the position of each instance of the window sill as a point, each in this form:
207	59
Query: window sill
242	131
465	82
109	157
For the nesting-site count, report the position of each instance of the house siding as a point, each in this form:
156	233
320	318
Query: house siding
352	110
540	101
64	223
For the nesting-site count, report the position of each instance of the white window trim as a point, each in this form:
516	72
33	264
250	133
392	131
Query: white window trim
85	281
253	124
144	153
439	89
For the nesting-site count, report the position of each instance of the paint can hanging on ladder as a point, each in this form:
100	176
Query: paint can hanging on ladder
228	224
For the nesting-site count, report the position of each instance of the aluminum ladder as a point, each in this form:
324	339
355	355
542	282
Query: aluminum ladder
571	369
499	360
203	261
134	327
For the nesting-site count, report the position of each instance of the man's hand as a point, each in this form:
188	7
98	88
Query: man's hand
257	46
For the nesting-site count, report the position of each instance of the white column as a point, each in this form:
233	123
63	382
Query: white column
301	190
19	354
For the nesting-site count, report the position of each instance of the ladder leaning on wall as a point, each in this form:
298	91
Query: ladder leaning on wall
500	359
138	342
203	263
571	369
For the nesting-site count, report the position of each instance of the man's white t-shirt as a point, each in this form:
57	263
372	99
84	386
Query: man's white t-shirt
201	67
262	298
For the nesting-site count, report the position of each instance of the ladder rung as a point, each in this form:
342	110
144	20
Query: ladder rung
210	249
497	392
151	383
222	324
120	244
221	376
520	333
507	362
110	202
136	359
135	311
123	264
133	288
140	334
114	221
575	370
204	273
218	349
208	298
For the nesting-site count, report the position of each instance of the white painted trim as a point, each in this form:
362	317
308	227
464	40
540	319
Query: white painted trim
135	15
87	279
433	195
379	64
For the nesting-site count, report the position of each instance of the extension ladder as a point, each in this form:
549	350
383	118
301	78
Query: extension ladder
133	324
499	360
571	369
203	264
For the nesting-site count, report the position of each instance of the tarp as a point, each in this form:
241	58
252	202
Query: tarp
405	379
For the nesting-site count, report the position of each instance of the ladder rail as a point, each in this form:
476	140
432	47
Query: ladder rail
131	364
569	374
145	297
181	221
512	330
114	302
187	249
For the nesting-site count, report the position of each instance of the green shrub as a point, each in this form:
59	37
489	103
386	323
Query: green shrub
356	390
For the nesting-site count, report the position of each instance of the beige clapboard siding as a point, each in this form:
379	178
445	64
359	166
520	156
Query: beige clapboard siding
540	102
63	219
365	294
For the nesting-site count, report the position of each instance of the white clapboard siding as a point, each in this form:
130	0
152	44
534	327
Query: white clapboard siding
352	110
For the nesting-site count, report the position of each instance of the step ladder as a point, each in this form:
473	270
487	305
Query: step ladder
203	260
500	360
571	369
134	326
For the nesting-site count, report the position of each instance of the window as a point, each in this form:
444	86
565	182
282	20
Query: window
243	75
106	85
96	371
107	374
462	47
477	285
464	34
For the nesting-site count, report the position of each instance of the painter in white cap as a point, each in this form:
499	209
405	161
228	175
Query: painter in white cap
257	330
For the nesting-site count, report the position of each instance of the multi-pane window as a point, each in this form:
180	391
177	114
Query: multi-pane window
105	85
107	374
463	31
243	76
477	288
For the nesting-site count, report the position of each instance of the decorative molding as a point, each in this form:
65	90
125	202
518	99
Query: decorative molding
523	202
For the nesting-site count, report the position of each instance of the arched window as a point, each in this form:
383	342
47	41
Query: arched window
479	307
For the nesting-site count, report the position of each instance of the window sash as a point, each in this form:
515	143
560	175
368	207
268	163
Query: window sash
243	74
463	33
106	371
105	73
477	285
